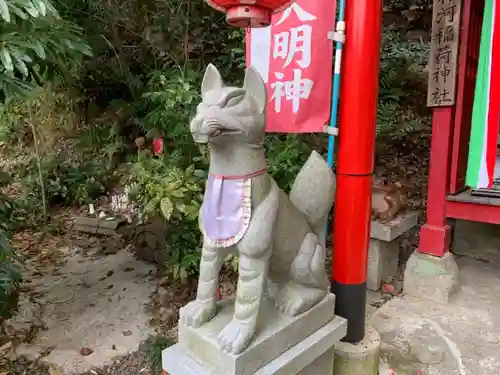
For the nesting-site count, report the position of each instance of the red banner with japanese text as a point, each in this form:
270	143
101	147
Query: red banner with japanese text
294	57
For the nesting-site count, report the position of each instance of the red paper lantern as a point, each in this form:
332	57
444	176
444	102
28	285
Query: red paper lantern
249	13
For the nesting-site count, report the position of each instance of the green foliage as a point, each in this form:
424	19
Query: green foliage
67	184
10	120
184	250
51	109
167	104
12	214
286	155
162	188
156	346
131	38
36	45
402	81
10	277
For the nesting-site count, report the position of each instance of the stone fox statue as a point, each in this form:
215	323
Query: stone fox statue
279	240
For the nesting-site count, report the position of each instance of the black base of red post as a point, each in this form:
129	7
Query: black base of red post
350	302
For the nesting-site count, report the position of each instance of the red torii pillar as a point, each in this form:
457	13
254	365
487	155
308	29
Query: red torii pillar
355	161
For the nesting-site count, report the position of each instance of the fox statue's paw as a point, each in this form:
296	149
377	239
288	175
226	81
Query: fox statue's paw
294	299
197	313
236	336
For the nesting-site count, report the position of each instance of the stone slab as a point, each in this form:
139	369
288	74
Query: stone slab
97	225
461	337
393	229
275	335
382	262
312	356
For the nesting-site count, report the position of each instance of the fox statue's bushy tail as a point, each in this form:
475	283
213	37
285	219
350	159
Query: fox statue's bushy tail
313	193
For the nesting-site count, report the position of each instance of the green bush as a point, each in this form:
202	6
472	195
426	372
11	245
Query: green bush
10	277
402	106
36	45
286	155
162	188
50	109
166	106
66	184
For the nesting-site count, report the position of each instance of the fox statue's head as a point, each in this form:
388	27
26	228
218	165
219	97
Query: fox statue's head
230	114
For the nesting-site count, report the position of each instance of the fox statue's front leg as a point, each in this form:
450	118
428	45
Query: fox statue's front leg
203	308
236	336
255	250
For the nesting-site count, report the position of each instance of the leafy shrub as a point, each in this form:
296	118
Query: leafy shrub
67	184
11	214
286	155
184	250
167	105
36	45
10	277
162	188
131	38
51	109
402	105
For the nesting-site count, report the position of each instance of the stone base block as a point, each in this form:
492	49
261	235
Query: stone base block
361	358
382	262
432	278
283	345
384	247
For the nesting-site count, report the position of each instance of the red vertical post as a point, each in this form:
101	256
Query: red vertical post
435	235
355	164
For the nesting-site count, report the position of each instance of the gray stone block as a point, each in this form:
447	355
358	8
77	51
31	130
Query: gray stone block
384	247
391	230
312	356
382	262
432	278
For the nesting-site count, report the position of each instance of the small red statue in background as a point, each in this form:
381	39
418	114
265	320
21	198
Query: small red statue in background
249	13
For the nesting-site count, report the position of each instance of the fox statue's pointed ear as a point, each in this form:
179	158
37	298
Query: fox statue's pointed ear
256	88
212	80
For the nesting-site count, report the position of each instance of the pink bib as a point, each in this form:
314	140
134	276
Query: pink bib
227	209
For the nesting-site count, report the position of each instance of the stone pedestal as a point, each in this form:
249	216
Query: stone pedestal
361	358
301	345
384	248
432	278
